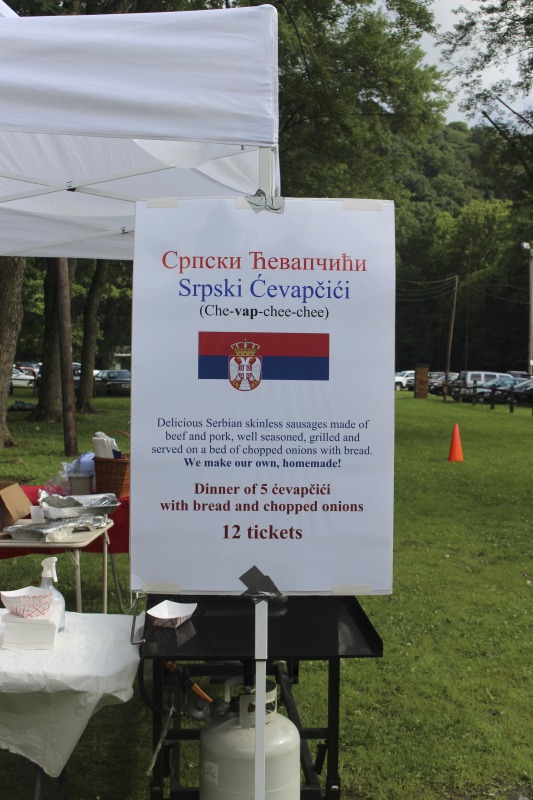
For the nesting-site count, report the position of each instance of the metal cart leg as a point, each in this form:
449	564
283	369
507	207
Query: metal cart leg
333	781
38	785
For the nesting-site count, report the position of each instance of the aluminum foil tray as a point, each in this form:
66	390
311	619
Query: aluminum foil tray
84	504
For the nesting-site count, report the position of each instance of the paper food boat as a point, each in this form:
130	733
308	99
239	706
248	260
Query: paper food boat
32	601
169	614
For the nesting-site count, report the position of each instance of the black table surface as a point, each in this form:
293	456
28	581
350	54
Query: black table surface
300	627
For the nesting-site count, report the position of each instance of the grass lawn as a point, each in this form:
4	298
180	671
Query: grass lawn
447	712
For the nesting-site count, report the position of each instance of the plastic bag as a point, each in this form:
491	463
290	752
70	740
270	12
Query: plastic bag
60	482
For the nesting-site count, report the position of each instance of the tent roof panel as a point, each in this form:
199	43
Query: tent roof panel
206	76
97	112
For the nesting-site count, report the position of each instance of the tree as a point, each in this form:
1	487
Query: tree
441	175
483	246
11	281
49	405
498	34
115	312
353	89
84	402
30	341
454	177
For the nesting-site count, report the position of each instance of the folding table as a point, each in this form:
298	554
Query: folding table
47	697
73	546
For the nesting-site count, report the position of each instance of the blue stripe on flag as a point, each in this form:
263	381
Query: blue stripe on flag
274	368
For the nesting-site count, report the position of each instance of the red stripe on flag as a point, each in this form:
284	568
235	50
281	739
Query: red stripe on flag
212	343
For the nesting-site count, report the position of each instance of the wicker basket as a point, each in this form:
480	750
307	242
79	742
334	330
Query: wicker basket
113	475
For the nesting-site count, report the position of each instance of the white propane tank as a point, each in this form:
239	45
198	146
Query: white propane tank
227	754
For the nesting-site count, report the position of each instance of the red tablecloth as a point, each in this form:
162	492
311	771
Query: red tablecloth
119	534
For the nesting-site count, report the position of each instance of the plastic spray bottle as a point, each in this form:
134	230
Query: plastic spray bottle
47	581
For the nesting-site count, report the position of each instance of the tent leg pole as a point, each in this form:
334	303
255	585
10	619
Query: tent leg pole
266	170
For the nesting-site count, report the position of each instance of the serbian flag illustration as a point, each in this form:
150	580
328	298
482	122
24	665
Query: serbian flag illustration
246	360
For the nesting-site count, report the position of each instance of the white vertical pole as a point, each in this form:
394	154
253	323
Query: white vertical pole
261	649
266	170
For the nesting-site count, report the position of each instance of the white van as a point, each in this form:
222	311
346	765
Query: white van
468	378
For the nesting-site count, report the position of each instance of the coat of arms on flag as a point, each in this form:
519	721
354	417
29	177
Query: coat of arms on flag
245	366
269	357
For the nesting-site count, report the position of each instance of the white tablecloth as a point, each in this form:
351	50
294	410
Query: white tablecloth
47	697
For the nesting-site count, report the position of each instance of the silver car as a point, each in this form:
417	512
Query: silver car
20	378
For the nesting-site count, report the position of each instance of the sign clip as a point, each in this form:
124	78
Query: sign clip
262	202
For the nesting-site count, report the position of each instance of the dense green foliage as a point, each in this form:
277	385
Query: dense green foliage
353	90
114	320
466	214
491	49
496	33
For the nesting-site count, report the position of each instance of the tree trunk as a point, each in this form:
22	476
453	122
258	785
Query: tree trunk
70	436
56	390
49	407
84	403
11	311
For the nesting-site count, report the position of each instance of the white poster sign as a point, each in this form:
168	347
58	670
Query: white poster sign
262	406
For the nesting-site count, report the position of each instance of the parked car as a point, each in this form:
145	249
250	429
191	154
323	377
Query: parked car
400	379
19	378
522	393
485	392
112	381
28	366
508	394
410	382
467	378
435	379
436	385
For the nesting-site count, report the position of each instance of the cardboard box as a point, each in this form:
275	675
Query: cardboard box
13	503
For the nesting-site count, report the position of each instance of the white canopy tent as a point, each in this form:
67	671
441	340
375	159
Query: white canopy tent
97	112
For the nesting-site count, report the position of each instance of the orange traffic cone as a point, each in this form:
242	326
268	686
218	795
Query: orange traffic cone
456	450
